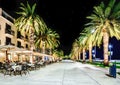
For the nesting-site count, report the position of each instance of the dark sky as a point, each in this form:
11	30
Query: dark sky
67	17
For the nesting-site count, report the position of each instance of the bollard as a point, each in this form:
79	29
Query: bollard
112	70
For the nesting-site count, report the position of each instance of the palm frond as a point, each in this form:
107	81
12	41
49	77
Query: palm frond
33	9
111	3
29	10
107	12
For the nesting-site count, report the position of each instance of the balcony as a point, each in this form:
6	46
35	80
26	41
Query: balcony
21	46
20	36
9	31
9	43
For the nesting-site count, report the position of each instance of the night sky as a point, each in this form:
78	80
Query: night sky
67	17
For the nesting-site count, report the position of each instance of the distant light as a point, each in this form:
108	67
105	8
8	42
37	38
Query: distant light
93	30
93	51
110	46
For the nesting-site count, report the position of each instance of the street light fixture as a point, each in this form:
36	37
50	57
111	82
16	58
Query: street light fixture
94	52
111	52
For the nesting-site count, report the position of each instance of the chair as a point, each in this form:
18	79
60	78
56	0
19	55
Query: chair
7	70
18	70
25	69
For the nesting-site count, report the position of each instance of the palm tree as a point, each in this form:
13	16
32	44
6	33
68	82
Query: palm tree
106	22
29	22
82	39
47	39
54	40
75	53
58	53
90	42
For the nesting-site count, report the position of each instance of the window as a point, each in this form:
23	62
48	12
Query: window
19	35
19	44
8	29
8	40
26	45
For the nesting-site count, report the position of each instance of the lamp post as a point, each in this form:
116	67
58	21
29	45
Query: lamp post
110	47
94	52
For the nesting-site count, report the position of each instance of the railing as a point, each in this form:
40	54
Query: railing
9	31
7	16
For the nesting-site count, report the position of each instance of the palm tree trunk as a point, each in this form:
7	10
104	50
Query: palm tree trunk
43	46
105	45
79	55
31	39
90	52
83	54
7	59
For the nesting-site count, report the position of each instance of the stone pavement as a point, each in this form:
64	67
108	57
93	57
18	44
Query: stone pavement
63	73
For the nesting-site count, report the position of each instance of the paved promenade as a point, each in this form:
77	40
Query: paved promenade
63	73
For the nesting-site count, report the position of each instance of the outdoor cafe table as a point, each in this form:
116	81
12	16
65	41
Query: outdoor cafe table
30	64
15	67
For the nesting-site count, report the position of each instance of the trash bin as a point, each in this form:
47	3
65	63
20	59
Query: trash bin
112	70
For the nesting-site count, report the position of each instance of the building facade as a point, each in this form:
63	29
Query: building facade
9	34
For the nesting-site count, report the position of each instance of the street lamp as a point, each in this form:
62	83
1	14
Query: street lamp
94	52
111	52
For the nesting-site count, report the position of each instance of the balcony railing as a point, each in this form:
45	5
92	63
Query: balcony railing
9	31
21	46
7	16
20	36
8	43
